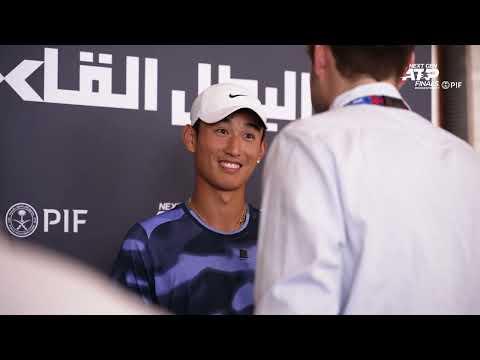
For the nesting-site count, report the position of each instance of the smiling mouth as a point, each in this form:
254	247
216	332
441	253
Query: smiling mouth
230	165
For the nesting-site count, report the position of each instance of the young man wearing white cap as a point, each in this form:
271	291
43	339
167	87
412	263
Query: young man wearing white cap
199	258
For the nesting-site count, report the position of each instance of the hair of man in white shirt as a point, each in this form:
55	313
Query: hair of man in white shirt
336	69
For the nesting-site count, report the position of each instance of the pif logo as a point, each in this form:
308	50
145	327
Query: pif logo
22	219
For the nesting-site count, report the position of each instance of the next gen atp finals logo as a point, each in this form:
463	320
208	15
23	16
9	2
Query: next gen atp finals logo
426	77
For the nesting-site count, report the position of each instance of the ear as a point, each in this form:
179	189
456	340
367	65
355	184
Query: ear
263	148
320	58
411	60
189	138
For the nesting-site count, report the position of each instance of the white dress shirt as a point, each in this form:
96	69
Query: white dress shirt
369	209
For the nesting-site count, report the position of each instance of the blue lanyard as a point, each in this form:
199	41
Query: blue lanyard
380	100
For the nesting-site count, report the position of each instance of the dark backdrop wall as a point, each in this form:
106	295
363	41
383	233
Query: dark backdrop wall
90	135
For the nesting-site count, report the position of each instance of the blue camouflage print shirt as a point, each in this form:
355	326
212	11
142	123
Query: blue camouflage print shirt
176	261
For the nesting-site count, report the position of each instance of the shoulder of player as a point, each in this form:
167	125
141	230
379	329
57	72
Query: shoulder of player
151	224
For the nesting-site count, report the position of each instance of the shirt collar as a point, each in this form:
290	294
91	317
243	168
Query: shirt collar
377	88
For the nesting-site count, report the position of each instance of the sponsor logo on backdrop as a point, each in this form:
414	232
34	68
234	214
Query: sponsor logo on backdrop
165	206
95	86
22	219
425	76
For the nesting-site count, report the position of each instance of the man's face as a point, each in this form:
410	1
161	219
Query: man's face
226	153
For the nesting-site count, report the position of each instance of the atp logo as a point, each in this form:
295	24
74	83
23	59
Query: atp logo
422	72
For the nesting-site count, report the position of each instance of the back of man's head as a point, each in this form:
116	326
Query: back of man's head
380	62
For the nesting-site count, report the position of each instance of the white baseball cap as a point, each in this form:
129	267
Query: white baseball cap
220	100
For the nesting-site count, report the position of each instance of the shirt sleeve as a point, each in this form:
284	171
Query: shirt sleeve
302	230
133	266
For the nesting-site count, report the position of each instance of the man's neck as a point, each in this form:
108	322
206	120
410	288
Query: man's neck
221	210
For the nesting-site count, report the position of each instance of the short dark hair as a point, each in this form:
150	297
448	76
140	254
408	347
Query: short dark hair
378	61
258	121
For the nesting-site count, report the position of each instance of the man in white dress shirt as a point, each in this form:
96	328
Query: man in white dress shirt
367	207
